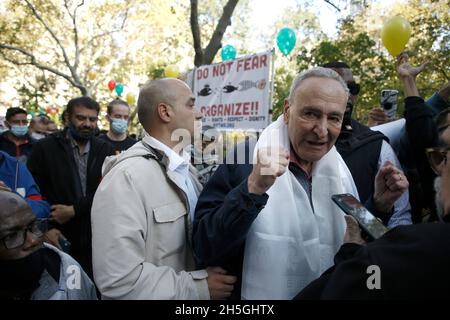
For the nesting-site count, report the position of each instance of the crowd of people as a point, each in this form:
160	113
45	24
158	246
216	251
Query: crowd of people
89	216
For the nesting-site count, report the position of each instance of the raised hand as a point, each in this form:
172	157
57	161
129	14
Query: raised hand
271	163
404	69
390	184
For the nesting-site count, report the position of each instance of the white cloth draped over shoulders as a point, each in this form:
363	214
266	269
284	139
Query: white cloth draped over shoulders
290	244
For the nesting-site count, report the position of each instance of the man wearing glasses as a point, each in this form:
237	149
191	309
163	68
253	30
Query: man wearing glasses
413	261
67	167
365	152
30	269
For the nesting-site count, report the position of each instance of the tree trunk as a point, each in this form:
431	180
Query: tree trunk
206	56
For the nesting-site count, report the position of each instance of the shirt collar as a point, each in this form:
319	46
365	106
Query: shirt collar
74	144
176	162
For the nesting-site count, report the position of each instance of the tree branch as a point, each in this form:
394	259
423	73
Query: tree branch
216	40
35	63
63	50
75	31
333	5
196	37
101	35
442	70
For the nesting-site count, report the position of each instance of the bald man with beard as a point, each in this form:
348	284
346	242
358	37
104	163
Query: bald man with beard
143	209
29	268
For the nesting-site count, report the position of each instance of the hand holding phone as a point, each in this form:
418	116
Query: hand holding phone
388	102
371	226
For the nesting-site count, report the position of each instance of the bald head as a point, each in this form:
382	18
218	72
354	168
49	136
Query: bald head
15	218
153	93
10	202
13	207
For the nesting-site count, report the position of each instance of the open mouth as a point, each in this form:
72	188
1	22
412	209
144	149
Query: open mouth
317	144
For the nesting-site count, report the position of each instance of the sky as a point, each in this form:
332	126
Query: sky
266	12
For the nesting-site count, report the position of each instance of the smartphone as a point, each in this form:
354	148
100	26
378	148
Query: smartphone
371	226
389	100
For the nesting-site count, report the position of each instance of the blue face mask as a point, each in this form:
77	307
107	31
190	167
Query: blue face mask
119	126
19	131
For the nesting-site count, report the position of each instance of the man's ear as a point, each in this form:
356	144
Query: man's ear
108	118
7	124
164	112
286	111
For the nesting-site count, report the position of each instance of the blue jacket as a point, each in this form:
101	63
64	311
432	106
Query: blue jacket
16	176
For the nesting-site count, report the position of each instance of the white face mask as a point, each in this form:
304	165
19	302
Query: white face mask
37	136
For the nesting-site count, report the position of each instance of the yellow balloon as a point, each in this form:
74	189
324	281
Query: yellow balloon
395	35
130	98
172	71
91	75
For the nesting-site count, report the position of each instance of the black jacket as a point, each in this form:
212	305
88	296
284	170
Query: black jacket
413	262
53	166
360	150
422	133
21	152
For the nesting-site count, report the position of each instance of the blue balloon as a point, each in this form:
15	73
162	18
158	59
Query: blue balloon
286	40
228	53
119	89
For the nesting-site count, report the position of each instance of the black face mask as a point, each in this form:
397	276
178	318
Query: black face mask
80	137
20	277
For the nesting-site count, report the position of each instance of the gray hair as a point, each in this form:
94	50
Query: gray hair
319	72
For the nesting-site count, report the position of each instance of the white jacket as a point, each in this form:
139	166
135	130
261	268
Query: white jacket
141	232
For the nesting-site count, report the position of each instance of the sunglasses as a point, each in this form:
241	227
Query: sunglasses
437	157
353	87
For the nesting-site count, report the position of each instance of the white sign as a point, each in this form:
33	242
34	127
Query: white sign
234	94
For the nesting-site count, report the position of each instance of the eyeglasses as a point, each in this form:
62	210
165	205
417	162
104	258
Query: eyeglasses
16	239
353	87
437	158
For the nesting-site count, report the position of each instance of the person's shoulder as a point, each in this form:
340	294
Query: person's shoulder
101	143
4	135
130	139
51	139
103	137
433	234
7	157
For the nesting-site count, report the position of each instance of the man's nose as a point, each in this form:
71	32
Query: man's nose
89	123
31	240
321	128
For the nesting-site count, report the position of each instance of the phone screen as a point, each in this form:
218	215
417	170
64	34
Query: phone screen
370	224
